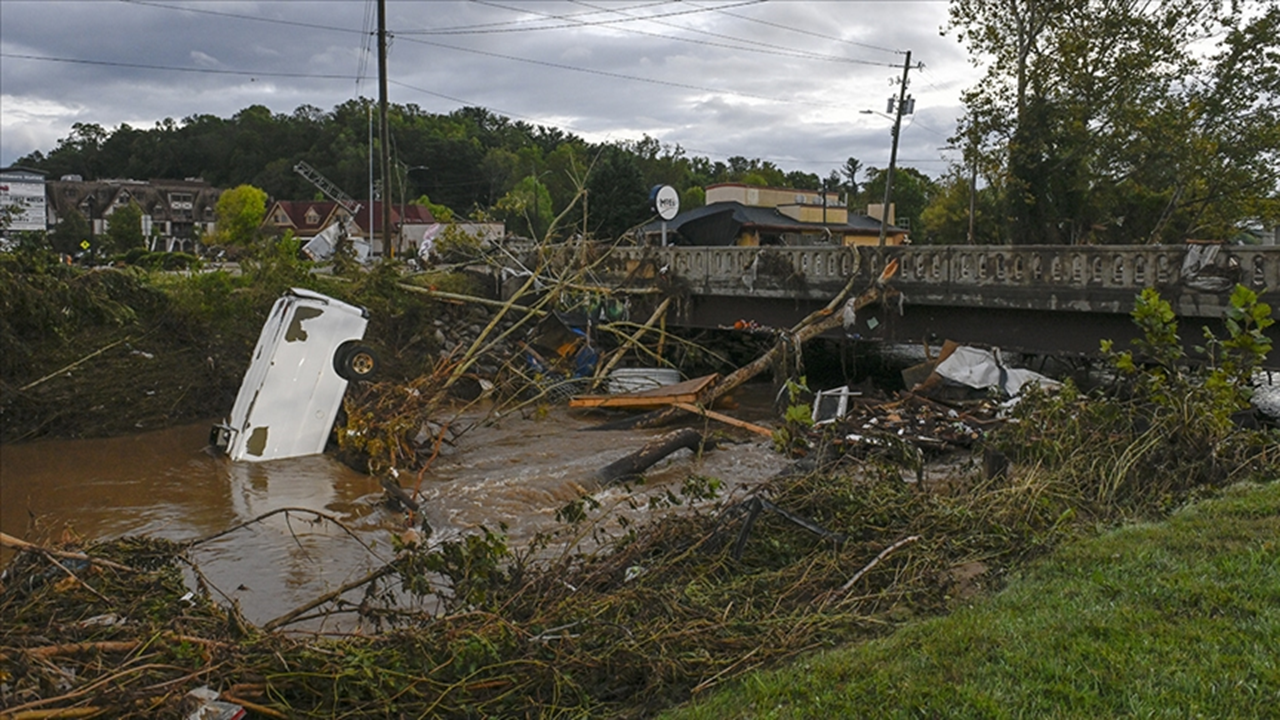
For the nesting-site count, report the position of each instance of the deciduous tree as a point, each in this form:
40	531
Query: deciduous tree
239	212
70	230
124	228
1109	122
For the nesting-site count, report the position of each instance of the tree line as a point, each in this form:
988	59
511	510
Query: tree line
470	163
1097	122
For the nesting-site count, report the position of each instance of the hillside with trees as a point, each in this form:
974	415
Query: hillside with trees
477	164
1096	123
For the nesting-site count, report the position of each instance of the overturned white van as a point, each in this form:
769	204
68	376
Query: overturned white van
309	348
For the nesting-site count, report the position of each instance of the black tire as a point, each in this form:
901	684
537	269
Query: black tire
355	362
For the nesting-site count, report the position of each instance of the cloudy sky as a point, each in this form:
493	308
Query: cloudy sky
781	80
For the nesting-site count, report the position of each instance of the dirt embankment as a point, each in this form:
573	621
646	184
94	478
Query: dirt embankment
109	351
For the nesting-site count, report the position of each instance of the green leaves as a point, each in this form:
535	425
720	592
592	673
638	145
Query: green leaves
1106	122
240	212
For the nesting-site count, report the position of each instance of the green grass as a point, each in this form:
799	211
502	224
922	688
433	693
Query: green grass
1175	619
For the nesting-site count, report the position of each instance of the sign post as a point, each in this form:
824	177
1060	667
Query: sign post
665	201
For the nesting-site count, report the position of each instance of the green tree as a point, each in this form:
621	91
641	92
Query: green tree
440	212
694	197
526	206
70	230
124	228
239	213
912	193
850	170
619	199
945	221
1108	122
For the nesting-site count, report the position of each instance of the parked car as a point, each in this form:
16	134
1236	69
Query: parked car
309	349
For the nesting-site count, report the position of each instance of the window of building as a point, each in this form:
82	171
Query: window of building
313	217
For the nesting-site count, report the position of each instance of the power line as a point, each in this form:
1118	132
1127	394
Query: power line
802	31
366	48
462	29
708	154
218	13
568	16
753	46
171	68
620	76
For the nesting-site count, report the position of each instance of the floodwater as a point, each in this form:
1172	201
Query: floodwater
517	472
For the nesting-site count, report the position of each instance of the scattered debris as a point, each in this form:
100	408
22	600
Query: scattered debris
209	707
687	391
927	424
653	451
970	369
831	405
1201	271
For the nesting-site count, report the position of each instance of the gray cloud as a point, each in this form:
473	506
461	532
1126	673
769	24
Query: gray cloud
740	80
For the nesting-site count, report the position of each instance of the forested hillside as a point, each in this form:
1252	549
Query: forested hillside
477	163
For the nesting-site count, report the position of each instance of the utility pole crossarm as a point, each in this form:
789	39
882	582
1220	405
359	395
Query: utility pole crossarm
333	192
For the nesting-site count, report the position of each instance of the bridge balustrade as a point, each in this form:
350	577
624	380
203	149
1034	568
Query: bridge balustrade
1087	278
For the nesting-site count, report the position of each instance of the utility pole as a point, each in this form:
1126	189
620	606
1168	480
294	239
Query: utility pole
893	152
385	155
973	194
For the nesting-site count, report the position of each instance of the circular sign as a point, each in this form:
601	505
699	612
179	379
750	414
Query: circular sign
665	201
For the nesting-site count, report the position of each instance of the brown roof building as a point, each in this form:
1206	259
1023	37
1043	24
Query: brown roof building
306	218
176	214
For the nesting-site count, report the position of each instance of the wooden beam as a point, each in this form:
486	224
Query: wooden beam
757	429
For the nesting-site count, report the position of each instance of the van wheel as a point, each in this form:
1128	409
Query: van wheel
355	362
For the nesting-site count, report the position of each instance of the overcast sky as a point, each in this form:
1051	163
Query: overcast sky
782	80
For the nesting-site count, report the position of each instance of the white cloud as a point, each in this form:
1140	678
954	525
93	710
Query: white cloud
203	60
604	82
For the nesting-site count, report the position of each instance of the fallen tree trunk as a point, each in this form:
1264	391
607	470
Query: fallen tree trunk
813	325
653	451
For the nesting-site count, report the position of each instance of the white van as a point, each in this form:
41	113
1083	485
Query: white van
309	348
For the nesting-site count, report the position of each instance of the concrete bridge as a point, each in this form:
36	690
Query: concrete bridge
1059	300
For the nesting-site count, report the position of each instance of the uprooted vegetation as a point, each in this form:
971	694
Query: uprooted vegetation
840	550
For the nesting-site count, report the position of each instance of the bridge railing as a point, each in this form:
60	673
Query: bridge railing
1081	267
747	271
1101	278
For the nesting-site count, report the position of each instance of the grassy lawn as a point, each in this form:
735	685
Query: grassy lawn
1175	619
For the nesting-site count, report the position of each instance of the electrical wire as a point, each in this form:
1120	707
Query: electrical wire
620	76
366	49
568	16
171	68
802	31
751	46
218	13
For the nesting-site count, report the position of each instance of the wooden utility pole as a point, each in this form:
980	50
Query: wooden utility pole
385	154
893	152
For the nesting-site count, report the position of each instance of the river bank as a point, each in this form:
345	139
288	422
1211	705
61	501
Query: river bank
852	541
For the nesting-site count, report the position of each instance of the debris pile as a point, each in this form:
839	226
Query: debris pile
927	424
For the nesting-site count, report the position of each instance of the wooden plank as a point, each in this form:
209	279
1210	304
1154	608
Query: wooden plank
758	429
686	391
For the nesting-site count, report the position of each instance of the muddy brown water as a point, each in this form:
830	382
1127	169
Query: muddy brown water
517	472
